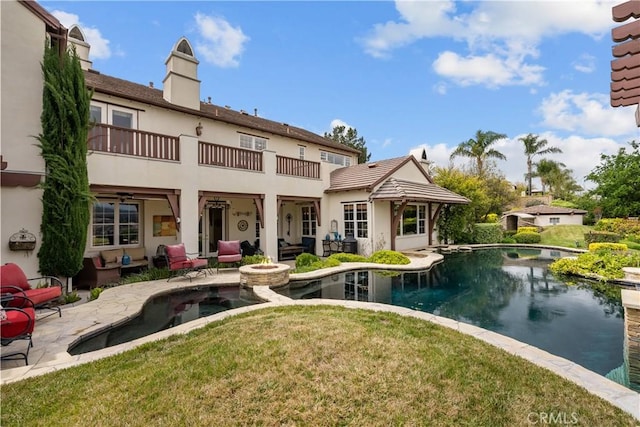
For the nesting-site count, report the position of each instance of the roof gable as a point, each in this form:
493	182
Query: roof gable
367	176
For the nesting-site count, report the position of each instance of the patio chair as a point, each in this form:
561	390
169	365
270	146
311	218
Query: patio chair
228	252
16	324
181	265
44	295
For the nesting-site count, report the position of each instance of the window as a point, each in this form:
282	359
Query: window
355	220
413	221
115	223
336	159
309	221
253	142
301	152
554	220
95	114
122	119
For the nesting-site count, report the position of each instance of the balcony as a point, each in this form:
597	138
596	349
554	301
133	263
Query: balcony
117	140
297	167
229	157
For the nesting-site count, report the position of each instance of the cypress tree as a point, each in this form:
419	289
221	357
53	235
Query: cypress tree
63	144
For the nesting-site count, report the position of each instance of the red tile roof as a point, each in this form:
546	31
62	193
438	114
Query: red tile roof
548	210
136	92
401	190
625	69
367	176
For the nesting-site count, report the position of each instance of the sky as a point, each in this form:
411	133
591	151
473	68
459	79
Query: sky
404	74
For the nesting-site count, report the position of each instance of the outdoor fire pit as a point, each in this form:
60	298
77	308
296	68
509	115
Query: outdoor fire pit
272	275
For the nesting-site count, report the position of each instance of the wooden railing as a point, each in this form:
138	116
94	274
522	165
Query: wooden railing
114	139
297	167
230	157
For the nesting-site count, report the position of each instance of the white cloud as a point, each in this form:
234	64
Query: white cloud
338	122
489	70
221	44
587	113
501	35
99	45
585	64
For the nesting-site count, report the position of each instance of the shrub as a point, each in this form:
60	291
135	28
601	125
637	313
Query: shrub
621	226
620	247
71	297
527	237
604	264
534	202
509	233
253	259
527	229
508	240
601	237
95	293
146	276
389	257
347	257
316	265
306	259
492	218
487	233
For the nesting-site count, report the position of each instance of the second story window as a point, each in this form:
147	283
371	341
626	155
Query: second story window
122	119
336	159
301	152
251	142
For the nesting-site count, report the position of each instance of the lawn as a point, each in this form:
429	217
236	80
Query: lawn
565	235
310	366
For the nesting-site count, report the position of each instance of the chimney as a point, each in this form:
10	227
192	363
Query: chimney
181	84
151	85
76	39
255	112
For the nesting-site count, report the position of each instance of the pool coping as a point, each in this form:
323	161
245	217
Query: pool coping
53	334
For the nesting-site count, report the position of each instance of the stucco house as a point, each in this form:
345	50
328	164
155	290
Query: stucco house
166	167
542	216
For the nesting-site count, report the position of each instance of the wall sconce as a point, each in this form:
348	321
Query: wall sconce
199	129
289	217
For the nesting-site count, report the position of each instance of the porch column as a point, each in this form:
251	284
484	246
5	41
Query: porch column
631	304
269	234
189	214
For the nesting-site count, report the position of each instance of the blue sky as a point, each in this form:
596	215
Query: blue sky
404	74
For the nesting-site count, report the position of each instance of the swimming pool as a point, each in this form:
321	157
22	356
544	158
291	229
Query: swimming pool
506	290
166	311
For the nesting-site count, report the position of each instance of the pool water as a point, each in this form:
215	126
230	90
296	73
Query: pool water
506	290
166	311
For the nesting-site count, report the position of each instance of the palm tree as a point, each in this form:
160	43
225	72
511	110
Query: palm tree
546	169
479	149
533	146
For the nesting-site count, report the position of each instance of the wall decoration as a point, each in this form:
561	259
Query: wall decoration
243	225
164	225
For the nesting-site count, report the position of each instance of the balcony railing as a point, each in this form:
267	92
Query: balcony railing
297	167
230	157
114	139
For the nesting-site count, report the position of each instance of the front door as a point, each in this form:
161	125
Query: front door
214	226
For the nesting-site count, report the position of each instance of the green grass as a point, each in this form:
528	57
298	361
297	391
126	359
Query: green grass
306	366
565	235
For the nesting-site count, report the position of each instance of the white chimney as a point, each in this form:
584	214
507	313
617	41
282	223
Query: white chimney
181	84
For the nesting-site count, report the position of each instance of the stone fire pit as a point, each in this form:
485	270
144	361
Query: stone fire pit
272	275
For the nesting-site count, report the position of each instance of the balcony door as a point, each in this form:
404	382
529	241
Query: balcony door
214	226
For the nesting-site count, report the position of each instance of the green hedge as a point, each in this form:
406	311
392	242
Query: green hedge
601	237
527	229
527	237
621	226
487	233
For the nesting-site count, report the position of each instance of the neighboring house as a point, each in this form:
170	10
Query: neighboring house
166	167
542	216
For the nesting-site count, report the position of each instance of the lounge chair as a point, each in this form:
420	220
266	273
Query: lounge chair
44	295
16	324
228	252
181	265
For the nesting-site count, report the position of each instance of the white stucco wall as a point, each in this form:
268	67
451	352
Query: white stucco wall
22	49
545	220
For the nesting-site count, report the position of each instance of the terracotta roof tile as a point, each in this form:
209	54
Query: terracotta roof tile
402	190
125	89
548	210
366	176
